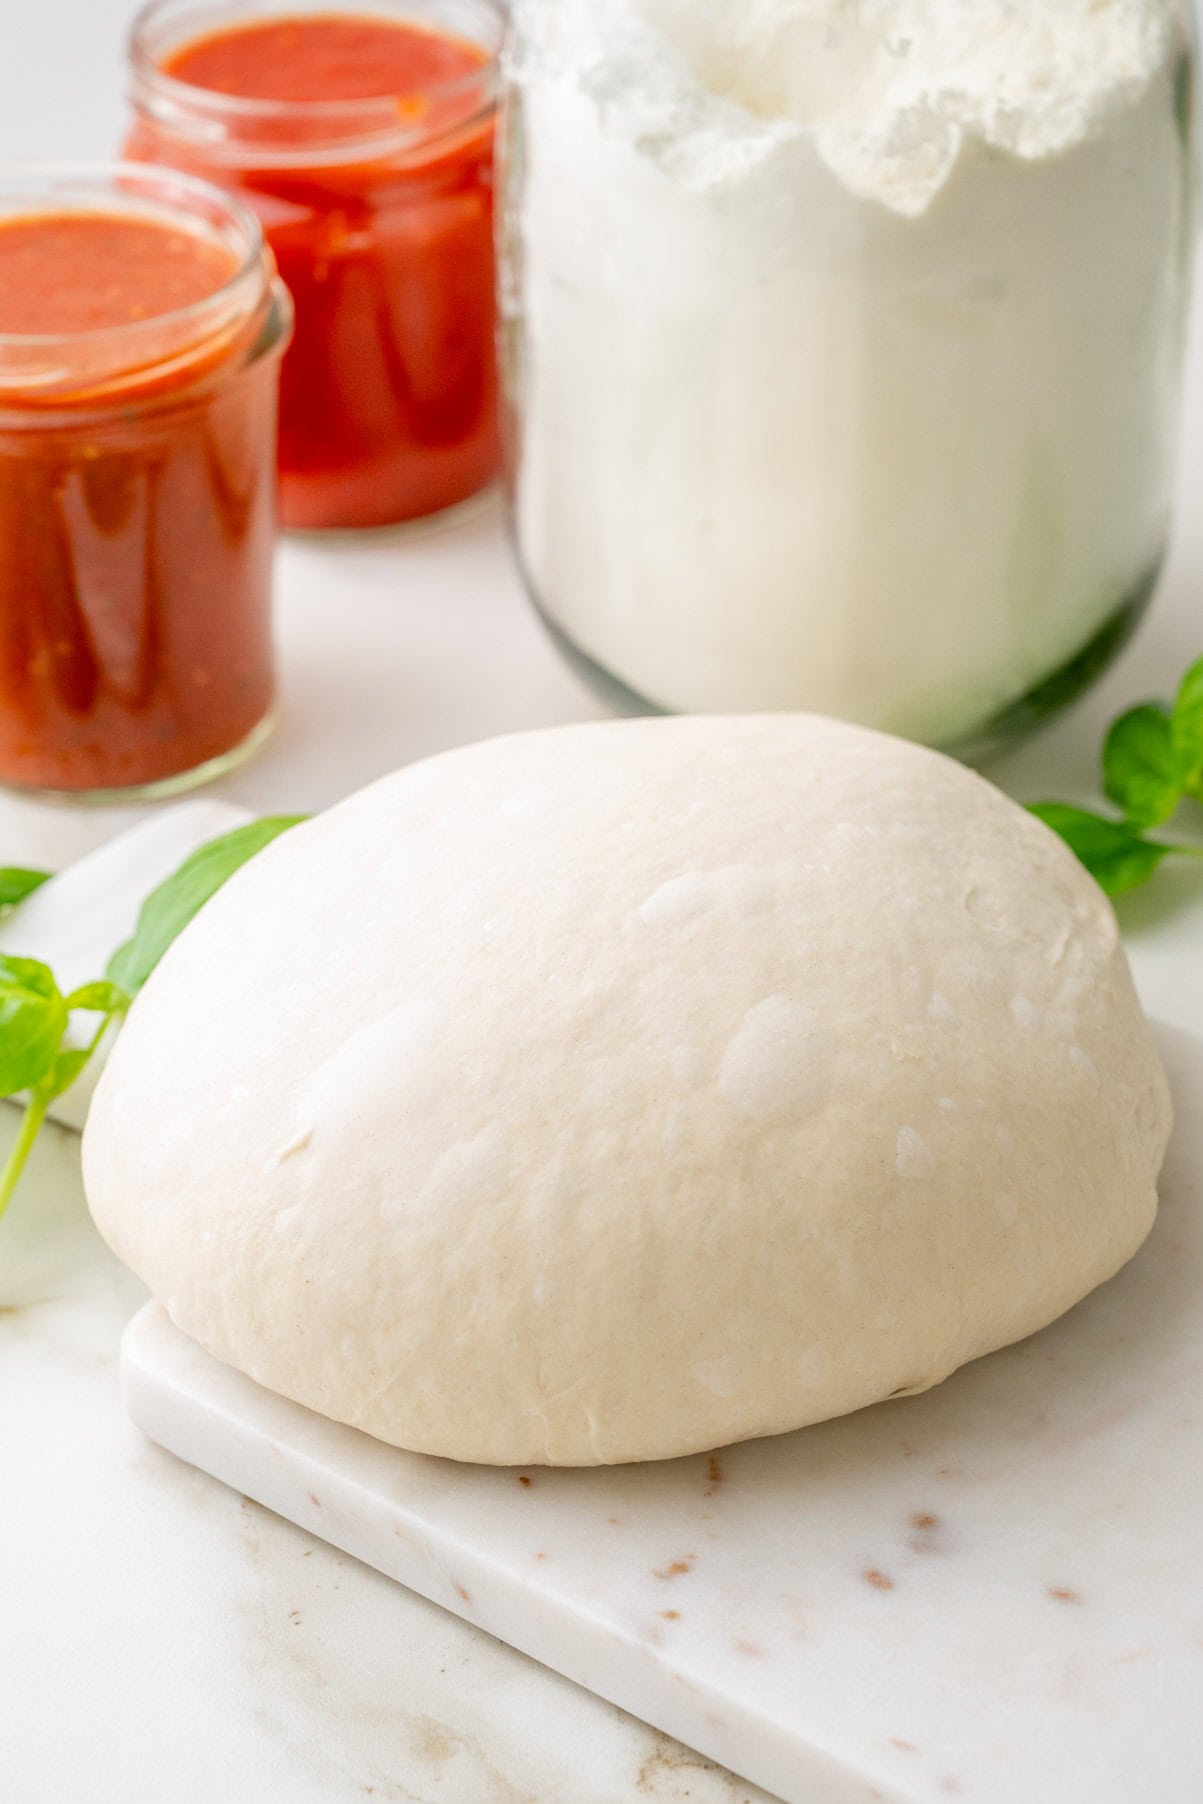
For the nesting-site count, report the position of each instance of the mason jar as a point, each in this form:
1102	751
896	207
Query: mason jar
141	330
361	133
842	347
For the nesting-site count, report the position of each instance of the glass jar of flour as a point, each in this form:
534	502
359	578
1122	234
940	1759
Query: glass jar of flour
842	346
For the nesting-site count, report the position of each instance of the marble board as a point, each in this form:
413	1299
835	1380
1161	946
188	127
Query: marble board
993	1592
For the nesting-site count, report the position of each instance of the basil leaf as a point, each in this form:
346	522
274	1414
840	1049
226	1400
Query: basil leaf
33	1019
1144	771
168	909
1117	856
100	998
30	973
16	884
67	1068
1188	728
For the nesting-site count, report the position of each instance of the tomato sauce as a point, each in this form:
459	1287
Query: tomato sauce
137	439
324	56
388	407
83	272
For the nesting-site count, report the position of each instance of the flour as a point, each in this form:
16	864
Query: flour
850	340
888	90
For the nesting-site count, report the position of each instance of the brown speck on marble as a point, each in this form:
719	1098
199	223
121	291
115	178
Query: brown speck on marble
524	1479
926	1538
908	1747
1063	1594
540	1556
676	1569
671	1762
671	1615
714	1471
315	1501
613	1521
749	1650
435	1742
877	1579
13	1310
464	1594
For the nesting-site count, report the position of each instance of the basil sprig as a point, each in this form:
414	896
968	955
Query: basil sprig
1152	764
34	1013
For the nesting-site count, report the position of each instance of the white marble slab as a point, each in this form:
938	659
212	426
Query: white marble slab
993	1592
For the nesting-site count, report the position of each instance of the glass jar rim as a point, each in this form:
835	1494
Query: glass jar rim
43	365
368	126
78	185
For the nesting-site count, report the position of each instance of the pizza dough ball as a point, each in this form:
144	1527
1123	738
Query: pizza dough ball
624	1090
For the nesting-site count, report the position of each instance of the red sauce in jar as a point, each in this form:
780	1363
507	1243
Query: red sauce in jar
324	56
388	407
136	501
83	272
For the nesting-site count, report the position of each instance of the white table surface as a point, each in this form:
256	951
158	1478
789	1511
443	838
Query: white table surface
160	1638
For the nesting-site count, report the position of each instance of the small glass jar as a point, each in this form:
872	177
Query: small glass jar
380	215
842	361
137	504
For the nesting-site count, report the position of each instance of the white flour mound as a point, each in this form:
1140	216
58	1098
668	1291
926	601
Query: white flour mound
889	91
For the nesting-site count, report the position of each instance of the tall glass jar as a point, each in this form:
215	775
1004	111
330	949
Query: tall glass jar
141	331
380	213
842	347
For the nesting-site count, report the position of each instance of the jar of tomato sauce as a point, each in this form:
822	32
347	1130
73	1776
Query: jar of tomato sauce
141	331
361	131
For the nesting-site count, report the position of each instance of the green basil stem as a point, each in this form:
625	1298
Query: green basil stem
35	1114
31	1122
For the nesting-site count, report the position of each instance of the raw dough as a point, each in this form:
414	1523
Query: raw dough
619	1091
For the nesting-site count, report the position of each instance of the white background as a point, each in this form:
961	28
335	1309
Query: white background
160	1639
